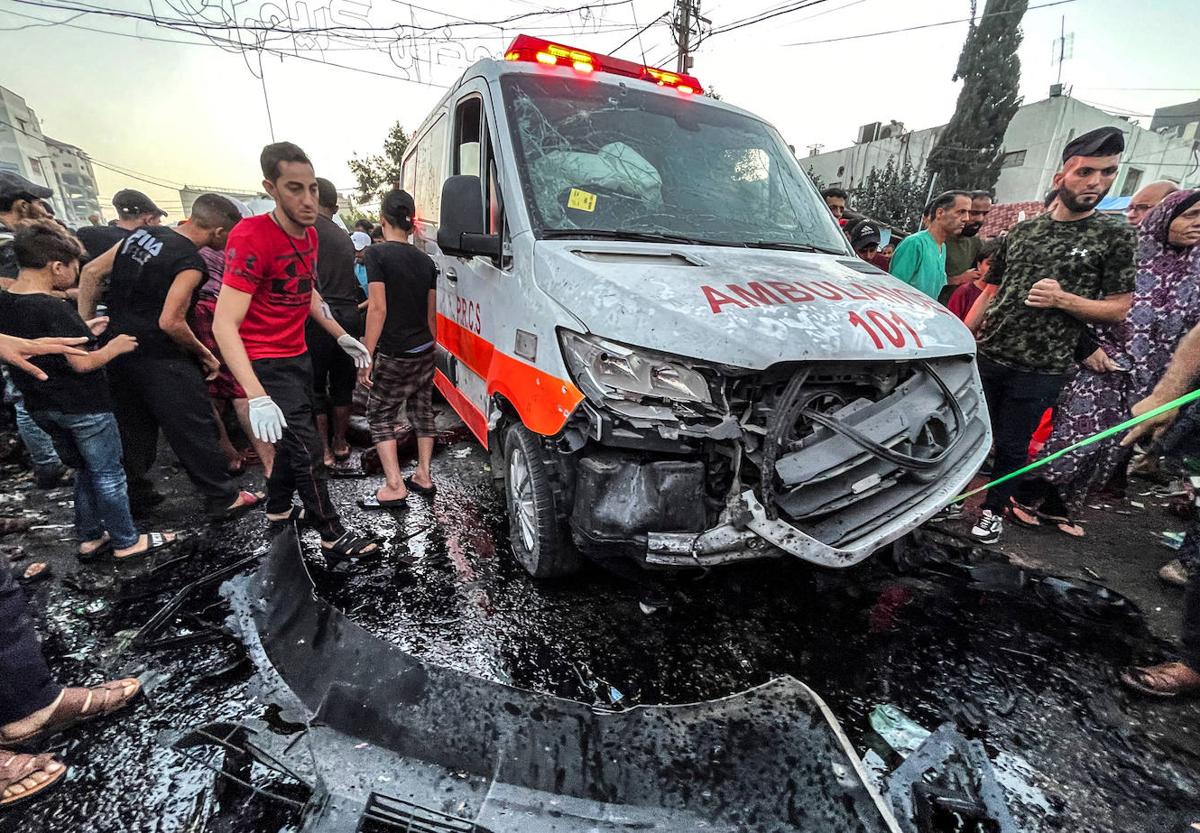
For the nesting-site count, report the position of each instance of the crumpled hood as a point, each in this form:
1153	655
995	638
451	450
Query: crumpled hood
745	307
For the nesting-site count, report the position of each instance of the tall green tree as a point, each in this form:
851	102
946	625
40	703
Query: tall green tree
892	195
377	173
969	152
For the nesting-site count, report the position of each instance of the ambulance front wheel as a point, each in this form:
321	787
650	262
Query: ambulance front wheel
540	539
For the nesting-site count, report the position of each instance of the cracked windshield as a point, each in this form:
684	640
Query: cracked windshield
607	160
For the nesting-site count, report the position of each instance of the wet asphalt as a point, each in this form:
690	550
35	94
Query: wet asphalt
941	632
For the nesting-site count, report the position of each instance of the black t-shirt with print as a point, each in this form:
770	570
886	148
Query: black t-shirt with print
38	316
407	275
146	265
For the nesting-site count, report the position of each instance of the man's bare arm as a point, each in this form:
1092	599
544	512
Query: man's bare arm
232	305
1111	309
1179	378
319	311
96	270
173	318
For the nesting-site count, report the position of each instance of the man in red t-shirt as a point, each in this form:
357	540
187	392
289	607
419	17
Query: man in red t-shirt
269	292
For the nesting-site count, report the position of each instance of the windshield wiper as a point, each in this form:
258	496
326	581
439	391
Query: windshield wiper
790	247
640	236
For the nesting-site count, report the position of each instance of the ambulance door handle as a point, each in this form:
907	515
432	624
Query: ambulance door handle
451	275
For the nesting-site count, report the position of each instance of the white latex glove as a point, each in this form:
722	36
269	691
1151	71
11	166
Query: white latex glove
266	420
355	349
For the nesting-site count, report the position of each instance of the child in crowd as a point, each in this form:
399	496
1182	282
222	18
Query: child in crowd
964	297
73	404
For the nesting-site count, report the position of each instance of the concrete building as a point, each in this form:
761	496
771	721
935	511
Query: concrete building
23	148
1181	120
1032	147
76	186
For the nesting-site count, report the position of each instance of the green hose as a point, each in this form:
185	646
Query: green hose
1095	438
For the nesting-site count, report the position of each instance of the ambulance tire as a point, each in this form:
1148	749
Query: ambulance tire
540	538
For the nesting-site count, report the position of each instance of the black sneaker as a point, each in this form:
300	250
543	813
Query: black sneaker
988	528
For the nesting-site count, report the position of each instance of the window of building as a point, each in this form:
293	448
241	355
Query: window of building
1133	181
22	125
35	166
1015	159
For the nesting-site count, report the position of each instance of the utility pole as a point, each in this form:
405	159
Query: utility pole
686	22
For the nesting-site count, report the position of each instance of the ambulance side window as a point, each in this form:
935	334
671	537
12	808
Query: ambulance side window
422	172
468	130
473	155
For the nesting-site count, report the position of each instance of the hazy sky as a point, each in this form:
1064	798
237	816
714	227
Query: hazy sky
195	113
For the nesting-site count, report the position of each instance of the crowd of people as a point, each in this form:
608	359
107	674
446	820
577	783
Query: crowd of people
242	339
238	339
1081	320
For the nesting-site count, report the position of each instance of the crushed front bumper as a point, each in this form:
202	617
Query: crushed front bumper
843	503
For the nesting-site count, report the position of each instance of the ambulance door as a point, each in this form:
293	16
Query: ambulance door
471	287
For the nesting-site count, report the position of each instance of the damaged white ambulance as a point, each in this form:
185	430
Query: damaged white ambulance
650	319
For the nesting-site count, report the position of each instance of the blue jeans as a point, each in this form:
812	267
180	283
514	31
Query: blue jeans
91	444
37	442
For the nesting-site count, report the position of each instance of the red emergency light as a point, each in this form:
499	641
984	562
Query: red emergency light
536	50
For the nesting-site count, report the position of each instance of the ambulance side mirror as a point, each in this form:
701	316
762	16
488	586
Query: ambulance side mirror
461	229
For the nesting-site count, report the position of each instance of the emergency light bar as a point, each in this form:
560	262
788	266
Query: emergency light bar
535	50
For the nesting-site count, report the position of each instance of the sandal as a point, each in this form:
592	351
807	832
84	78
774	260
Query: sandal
17	771
101	549
376	502
424	491
349	547
154	541
1168	679
1063	524
249	501
79	705
1023	515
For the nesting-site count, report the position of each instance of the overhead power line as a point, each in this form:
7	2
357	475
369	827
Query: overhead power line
922	26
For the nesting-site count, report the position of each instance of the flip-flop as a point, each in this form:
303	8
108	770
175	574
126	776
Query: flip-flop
99	552
298	516
374	502
345	473
250	502
1014	507
15	767
1059	522
1140	679
156	541
425	491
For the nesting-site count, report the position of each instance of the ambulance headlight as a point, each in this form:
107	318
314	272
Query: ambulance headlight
604	369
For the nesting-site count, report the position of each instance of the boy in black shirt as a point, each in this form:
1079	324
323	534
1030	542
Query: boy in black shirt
72	405
155	273
401	328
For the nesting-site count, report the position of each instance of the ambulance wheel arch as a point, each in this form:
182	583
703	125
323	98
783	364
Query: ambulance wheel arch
538	529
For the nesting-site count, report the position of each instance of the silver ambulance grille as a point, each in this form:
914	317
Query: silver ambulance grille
835	490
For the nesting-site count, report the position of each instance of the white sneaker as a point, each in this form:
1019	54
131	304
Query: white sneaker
988	528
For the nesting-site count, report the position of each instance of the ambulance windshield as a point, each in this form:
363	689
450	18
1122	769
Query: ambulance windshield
604	159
